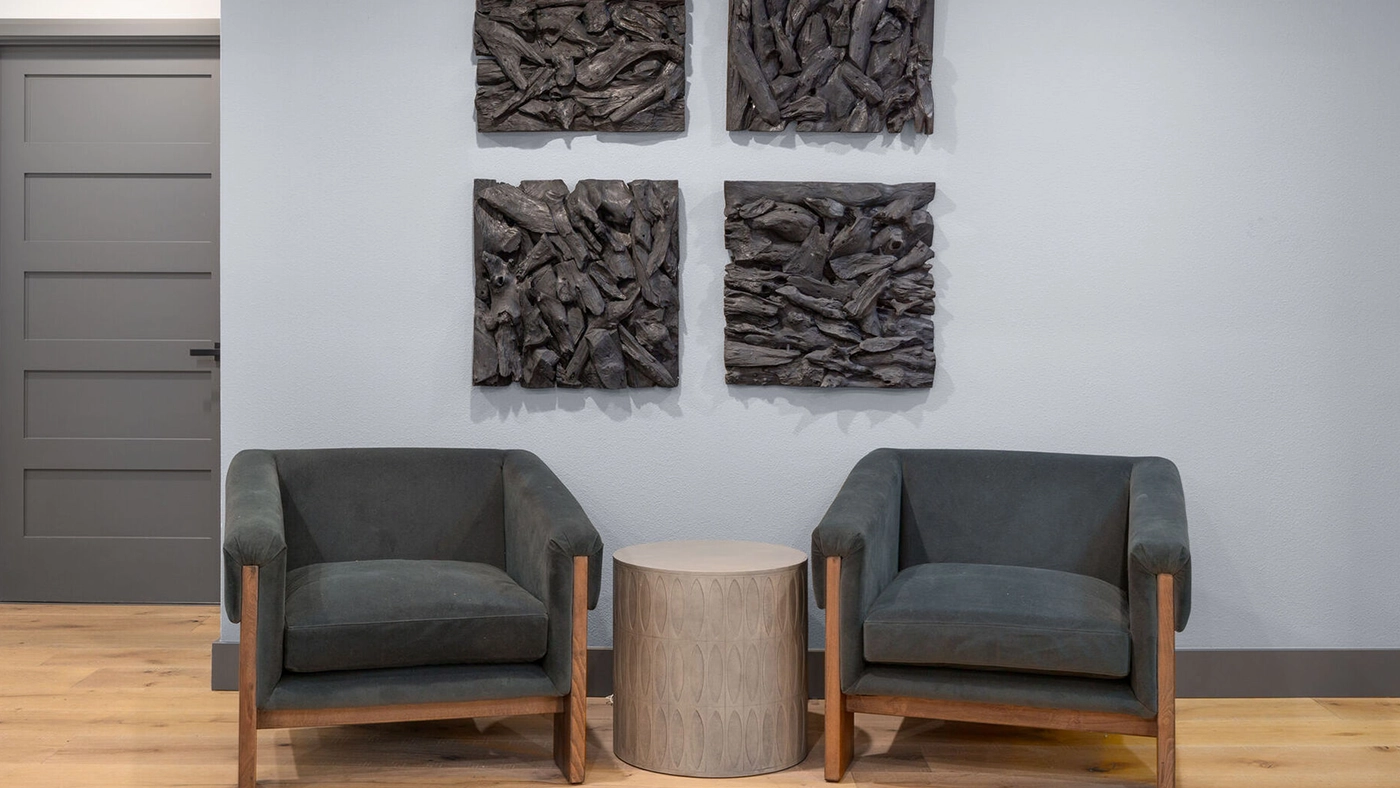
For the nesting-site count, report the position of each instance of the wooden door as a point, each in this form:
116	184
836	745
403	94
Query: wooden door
109	257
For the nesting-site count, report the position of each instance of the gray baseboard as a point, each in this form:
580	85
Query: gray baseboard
1284	673
1288	673
223	665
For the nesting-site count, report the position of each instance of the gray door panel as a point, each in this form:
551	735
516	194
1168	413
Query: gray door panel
109	260
120	305
124	208
120	108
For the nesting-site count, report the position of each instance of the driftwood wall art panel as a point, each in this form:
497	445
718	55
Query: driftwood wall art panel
577	288
829	284
580	65
830	65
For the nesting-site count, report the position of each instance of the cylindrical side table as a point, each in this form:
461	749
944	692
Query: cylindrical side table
710	650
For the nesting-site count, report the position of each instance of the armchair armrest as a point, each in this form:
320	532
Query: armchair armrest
254	537
1157	540
253	534
1157	545
861	528
545	529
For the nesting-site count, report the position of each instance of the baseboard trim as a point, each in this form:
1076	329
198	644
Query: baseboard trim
1244	673
223	665
1288	673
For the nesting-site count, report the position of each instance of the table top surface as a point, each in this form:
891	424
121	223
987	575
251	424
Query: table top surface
710	557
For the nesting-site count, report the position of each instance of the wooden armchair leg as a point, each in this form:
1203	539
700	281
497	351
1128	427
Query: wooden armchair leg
571	724
840	738
247	754
248	682
839	721
1166	681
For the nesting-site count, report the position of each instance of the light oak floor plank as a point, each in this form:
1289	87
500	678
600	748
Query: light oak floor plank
117	696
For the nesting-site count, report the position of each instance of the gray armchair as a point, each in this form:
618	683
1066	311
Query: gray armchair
388	585
1004	587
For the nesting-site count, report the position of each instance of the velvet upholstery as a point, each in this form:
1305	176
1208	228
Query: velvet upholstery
544	529
1157	544
1011	618
361	504
1118	520
862	527
293	510
1051	511
396	613
399	686
1004	687
253	532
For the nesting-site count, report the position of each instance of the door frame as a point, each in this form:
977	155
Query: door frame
112	32
77	32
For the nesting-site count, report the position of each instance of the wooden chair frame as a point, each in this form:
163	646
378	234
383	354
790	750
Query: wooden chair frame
841	708
570	711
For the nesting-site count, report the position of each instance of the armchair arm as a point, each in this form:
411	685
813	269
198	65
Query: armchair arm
861	528
1157	540
253	534
254	537
545	528
1157	545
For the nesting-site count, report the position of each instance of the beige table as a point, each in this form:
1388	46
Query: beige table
710	650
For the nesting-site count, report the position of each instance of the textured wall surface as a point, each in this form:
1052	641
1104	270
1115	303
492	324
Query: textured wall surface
1162	229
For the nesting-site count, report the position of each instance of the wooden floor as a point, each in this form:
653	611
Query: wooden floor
119	696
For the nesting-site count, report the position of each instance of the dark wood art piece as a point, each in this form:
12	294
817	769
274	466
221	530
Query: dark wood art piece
830	65
580	65
828	285
577	288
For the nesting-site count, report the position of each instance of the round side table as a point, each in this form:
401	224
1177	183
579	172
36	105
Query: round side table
710	649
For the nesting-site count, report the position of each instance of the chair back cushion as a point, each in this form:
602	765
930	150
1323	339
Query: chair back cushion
371	504
398	614
1009	618
1067	512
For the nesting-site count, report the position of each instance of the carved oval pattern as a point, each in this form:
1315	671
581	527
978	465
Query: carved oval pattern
770	611
694	673
677	612
751	608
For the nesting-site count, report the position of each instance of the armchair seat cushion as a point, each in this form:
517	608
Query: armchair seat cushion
1009	618
406	613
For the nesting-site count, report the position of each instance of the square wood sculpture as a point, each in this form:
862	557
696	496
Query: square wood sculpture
828	284
590	65
577	288
830	65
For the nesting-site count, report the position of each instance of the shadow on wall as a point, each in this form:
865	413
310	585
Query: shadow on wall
534	140
490	403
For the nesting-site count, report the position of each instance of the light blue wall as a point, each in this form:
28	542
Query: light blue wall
1164	228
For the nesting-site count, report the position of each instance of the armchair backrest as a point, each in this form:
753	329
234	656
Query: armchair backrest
1051	511
361	504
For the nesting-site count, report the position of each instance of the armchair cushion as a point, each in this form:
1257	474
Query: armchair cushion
1011	618
395	613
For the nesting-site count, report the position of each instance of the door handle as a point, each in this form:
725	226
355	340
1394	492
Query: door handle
206	351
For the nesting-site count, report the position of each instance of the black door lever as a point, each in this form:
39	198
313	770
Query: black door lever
206	351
